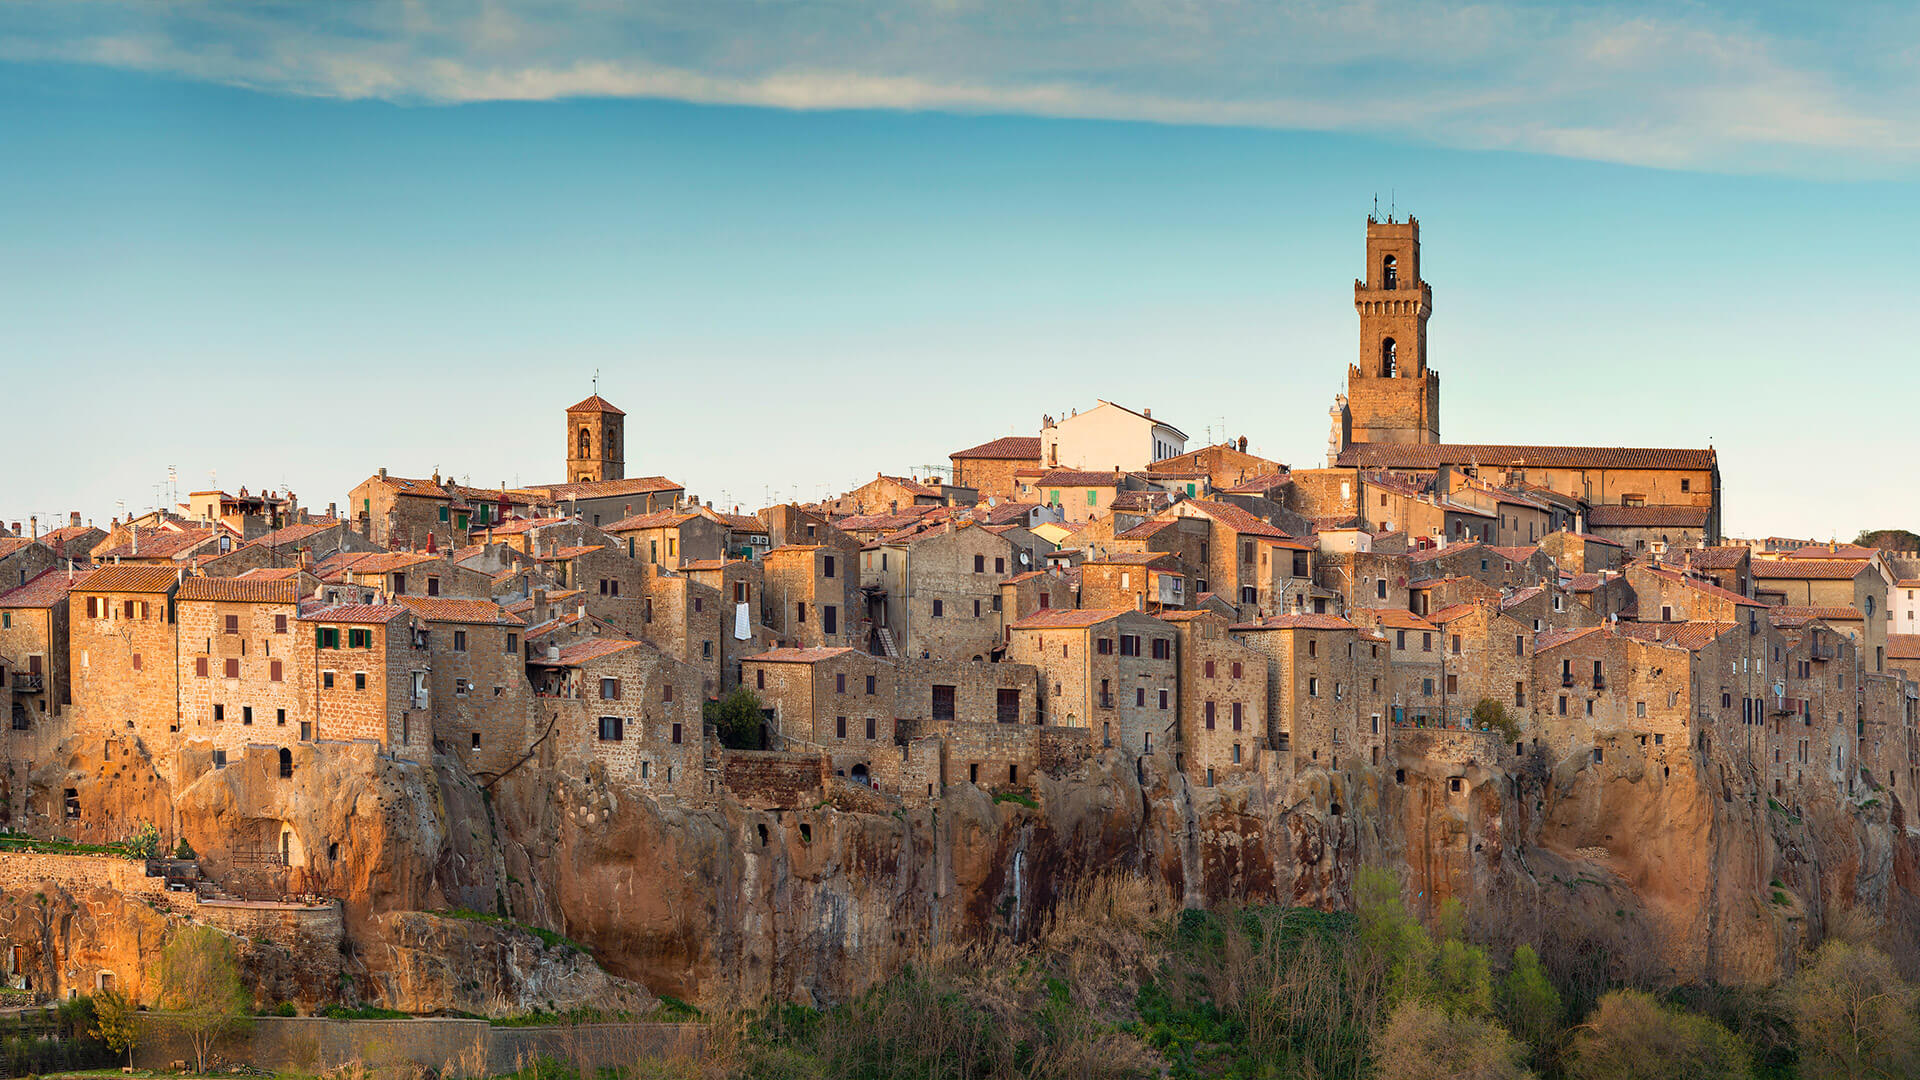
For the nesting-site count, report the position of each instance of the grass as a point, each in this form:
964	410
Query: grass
363	1012
32	846
547	937
1023	798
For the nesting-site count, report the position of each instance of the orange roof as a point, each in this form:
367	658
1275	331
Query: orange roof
1398	618
1069	618
798	656
1303	621
1005	448
128	577
1556	638
1078	478
355	613
1678	517
1834	551
581	652
607	489
1705	588
659	519
596	403
1434	455
448	609
1697	634
46	589
1808	569
1899	646
240	590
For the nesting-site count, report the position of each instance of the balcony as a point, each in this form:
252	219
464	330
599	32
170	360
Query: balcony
29	682
1566	679
1599	682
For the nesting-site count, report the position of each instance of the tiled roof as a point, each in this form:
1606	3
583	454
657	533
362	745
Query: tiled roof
1716	558
1142	530
354	613
1525	595
1586	582
159	544
1899	646
131	578
1798	614
596	403
742	523
520	525
46	589
707	564
1254	485
1069	618
607	489
1398	618
240	590
1678	517
1238	519
1697	634
1706	588
269	573
1514	554
1186	615
1434	455
11	544
1556	638
659	519
884	522
1132	558
1304	621
1143	501
1451	612
914	487
1005	448
1431	554
403	485
1005	513
1808	569
1592	539
293	534
798	656
571	552
448	609
1078	478
386	562
581	652
1834	551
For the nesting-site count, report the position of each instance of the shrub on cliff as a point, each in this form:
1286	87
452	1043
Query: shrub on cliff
1420	1042
737	717
199	978
1853	1015
1632	1036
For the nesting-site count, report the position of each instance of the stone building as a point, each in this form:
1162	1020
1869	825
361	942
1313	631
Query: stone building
838	699
478	684
596	447
371	667
245	672
122	651
1416	690
1112	671
811	596
990	467
626	705
1831	583
1322	671
673	538
1143	581
936	591
34	649
1663	532
1224	719
603	502
1486	655
1392	395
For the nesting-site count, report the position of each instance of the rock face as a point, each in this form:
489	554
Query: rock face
1680	869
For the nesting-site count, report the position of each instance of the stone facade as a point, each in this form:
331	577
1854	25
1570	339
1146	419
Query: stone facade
1113	672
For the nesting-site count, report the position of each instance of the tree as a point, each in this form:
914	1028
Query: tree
1420	1042
737	717
113	1022
1853	1016
1391	937
1632	1036
1528	1003
200	985
1493	716
1462	982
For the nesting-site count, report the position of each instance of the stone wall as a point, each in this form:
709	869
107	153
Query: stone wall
770	780
452	1046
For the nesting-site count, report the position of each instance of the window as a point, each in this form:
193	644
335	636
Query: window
610	688
459	641
666	692
1686	484
474	743
1163	701
839	682
513	644
827	566
873	727
200	666
1426	642
1162	648
219	713
1209	715
246	715
1237	715
676	740
979	564
839	727
1640	708
231	668
219	759
1313	687
1380	589
1519	645
326	680
1519	693
433	586
360	680
1400	639
1000	564
275	672
326	637
232	624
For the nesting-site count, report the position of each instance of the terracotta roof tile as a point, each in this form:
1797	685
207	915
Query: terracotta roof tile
1304	621
1556	638
1678	517
1434	455
240	590
1808	569
130	578
1069	618
1899	646
587	651
1694	635
1237	518
598	404
1834	551
1078	478
798	656
46	589
1005	448
1799	614
607	489
448	609
1398	618
354	613
159	544
1706	588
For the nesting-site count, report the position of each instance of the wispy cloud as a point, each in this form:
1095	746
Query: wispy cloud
1680	86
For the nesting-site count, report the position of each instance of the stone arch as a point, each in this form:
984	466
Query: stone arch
1389	273
586	442
1389	358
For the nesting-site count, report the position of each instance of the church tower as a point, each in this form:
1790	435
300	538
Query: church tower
1392	396
594	442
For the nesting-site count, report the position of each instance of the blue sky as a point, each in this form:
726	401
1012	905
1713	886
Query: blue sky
804	243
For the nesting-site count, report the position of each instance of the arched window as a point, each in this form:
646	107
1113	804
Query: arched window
586	443
286	763
1389	273
1389	359
612	444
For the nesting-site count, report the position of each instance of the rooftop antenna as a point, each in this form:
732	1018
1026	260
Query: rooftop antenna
1376	204
596	382
1390	203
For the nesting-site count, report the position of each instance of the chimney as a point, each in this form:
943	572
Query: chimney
136	537
553	652
1243	444
33	523
73	519
1148	413
539	604
306	559
383	472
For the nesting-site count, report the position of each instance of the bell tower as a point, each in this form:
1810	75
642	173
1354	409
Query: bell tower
595	442
1392	394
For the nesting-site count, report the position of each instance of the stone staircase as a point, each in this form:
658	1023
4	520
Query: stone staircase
886	643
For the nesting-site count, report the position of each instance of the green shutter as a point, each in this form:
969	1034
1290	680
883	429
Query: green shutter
1093	497
443	513
1055	500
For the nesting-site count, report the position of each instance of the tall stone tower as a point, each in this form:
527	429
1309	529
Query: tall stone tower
1392	394
595	441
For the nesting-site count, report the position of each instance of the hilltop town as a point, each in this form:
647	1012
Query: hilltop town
773	752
